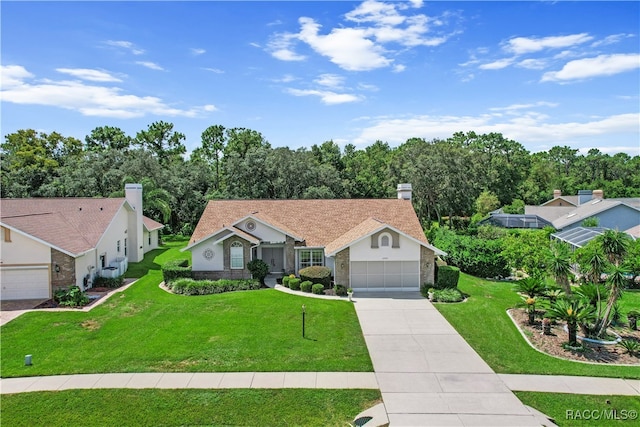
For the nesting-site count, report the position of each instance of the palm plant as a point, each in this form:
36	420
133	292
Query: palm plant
552	293
616	280
559	265
531	287
573	311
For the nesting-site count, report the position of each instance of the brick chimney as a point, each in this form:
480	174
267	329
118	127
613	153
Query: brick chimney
557	193
598	194
404	191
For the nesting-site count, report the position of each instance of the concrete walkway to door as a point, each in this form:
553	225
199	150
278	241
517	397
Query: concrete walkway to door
426	371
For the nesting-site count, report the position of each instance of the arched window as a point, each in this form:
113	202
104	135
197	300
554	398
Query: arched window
237	255
385	240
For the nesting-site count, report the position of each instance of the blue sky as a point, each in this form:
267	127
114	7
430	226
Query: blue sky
301	73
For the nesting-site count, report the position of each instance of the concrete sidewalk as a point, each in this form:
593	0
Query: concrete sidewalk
217	380
428	374
572	384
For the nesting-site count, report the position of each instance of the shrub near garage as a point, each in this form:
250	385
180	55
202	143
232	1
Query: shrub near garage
306	286
318	289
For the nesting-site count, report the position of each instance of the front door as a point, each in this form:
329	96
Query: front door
275	258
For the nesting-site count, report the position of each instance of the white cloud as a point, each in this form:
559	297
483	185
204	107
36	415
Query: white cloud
532	64
197	51
372	35
529	128
497	65
150	65
612	39
327	97
89	74
287	78
87	99
330	80
602	65
125	45
215	70
515	107
398	68
522	45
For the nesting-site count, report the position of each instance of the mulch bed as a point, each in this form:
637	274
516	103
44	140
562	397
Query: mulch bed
595	353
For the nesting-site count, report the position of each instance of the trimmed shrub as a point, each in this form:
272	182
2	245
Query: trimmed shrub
447	277
294	284
341	290
285	281
259	269
447	295
424	289
176	269
208	287
306	286
108	282
317	274
318	289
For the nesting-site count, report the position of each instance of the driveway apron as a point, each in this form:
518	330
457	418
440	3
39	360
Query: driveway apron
427	373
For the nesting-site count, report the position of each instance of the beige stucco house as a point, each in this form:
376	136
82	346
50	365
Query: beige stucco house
369	244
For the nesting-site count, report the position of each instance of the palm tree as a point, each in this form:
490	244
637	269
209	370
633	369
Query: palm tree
614	245
530	286
574	312
616	279
559	265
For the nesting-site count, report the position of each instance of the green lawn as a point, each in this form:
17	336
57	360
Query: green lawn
145	329
485	325
242	407
584	410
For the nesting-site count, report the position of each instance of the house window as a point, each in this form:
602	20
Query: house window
118	246
384	240
149	239
125	247
237	255
309	257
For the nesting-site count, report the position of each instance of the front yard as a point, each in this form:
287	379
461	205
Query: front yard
485	325
145	329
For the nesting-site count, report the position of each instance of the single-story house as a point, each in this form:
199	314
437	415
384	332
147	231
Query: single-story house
616	214
369	244
50	243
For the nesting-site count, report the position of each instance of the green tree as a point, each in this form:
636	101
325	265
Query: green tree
574	312
213	144
162	141
486	202
559	265
105	138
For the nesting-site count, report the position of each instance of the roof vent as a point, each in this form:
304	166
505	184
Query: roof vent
80	208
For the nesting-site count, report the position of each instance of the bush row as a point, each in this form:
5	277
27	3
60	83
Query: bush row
316	274
108	282
207	287
297	284
176	269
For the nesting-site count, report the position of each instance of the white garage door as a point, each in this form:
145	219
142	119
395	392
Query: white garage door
385	275
24	283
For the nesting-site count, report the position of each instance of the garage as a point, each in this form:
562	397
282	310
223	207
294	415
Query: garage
24	282
385	275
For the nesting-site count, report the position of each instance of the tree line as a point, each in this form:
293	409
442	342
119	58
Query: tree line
448	175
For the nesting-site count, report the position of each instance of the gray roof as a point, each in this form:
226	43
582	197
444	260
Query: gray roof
579	236
584	211
549	213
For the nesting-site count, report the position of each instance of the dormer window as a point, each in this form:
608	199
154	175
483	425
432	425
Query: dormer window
384	240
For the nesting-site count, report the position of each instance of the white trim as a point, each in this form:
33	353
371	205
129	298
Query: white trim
234	231
265	224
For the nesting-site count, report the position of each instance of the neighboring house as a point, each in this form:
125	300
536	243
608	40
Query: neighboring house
617	214
50	243
369	244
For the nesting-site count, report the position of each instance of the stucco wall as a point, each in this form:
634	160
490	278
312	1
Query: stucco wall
23	250
200	263
154	240
117	230
408	251
81	263
262	231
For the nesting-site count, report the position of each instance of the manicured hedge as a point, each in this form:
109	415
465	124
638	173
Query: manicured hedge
294	284
317	274
208	287
447	277
318	289
341	290
285	281
176	269
108	282
306	286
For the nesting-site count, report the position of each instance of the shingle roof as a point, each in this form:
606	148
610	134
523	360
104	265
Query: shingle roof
150	224
74	225
366	227
319	222
585	210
